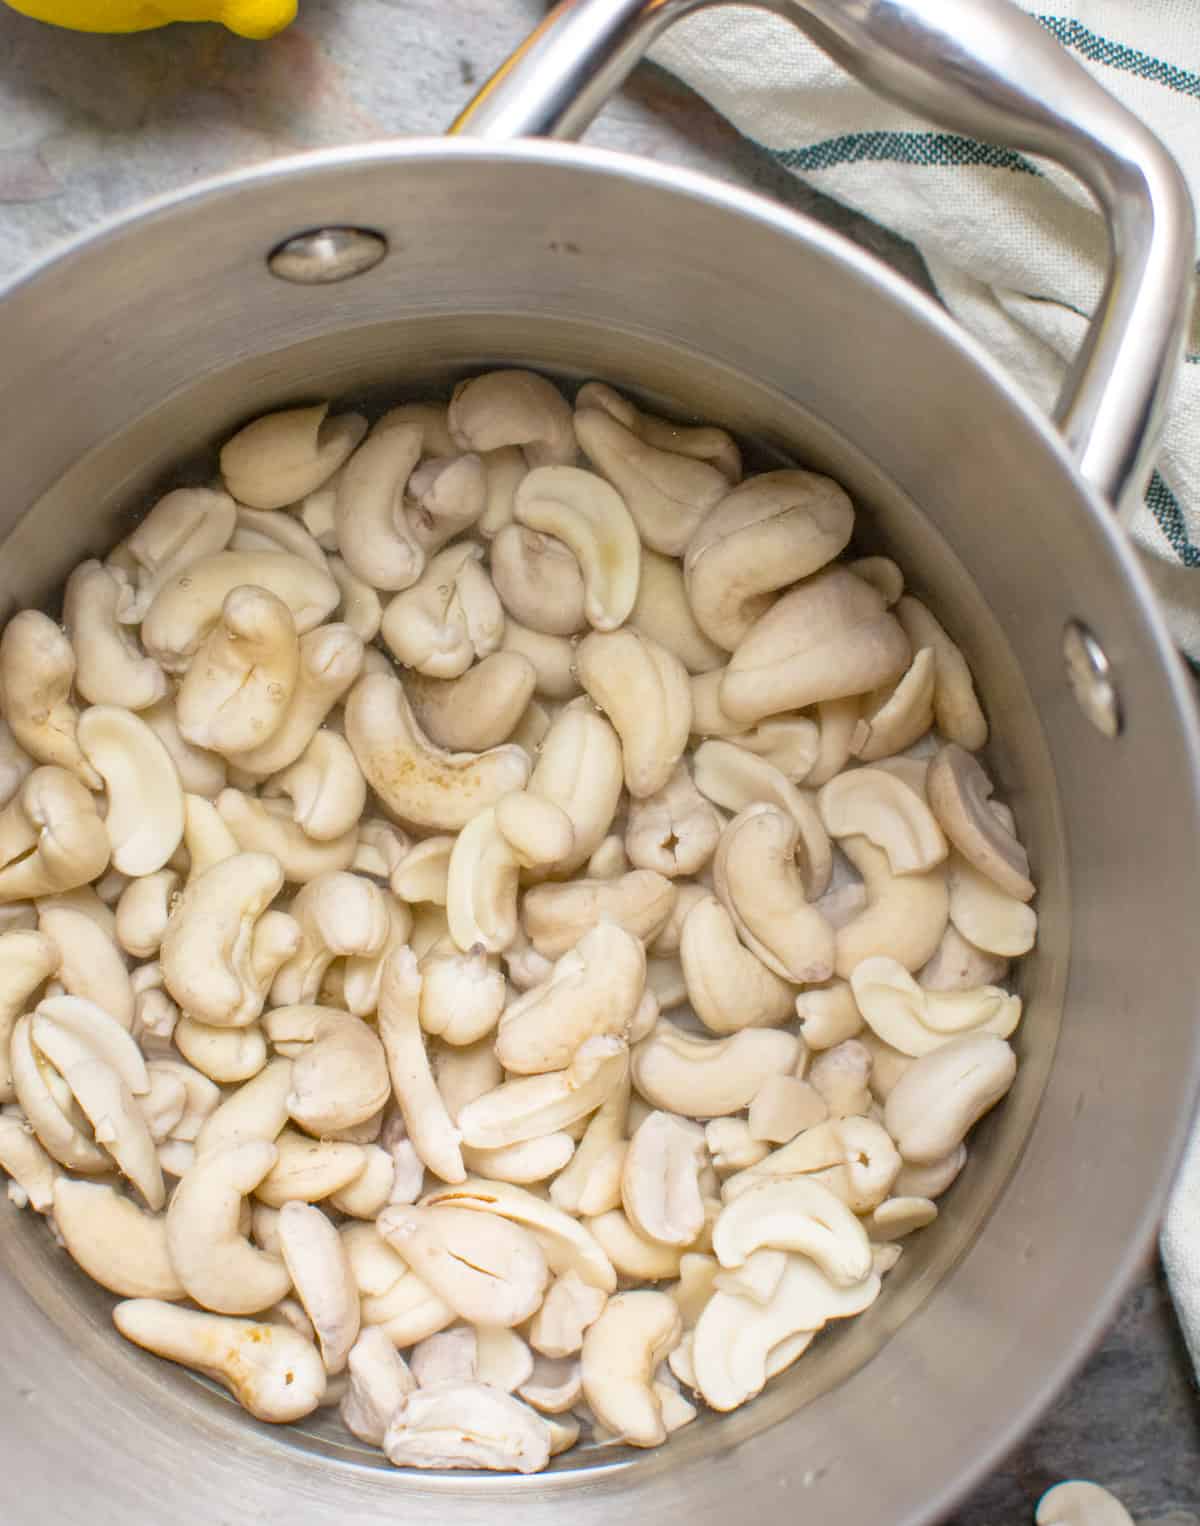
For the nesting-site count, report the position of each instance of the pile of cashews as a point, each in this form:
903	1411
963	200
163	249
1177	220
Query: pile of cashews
363	819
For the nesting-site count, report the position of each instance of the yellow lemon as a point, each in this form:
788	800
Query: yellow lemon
248	18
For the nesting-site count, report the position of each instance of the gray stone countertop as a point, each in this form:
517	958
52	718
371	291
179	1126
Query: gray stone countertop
90	125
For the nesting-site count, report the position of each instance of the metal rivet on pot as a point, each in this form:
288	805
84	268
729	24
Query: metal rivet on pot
1090	677
325	255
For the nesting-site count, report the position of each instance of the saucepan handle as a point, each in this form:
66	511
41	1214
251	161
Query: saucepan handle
981	67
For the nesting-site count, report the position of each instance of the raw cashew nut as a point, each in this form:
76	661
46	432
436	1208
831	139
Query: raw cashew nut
117	1244
15	764
31	1170
830	637
790	743
111	668
556	916
675	830
462	994
240	683
319	1267
271	1370
267	826
644	690
915	1021
539	581
200	773
544	1104
143	911
220	952
488	1269
325	786
280	457
988	917
188	605
569	1307
898	715
379	1381
959	794
552	659
840	1076
700	442
956	710
797	1215
309	1170
361	607
668	494
467	1425
331	659
783	1107
940	1098
256	1111
770	532
579	769
481	886
538	831
37	670
708	1078
1077	1503
591	1183
905	915
756	880
621	1352
435	1138
449	618
591	520
27	959
854	1157
520	408
338	915
265	530
51	837
729	987
660	1180
374	534
867	802
449	494
662	613
417	782
480	709
145	799
593	991
341	1077
183	527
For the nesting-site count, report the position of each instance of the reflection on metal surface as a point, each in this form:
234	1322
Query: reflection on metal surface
1090	677
326	255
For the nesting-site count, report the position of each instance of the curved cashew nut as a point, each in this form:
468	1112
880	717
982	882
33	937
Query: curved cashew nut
956	710
988	917
200	773
898	715
479	709
449	618
905	915
830	637
662	613
379	1380
271	1370
206	838
488	1269
213	948
188	605
338	914
591	1183
256	1111
544	1104
1077	1503
37	670
219	1268
117	1244
959	792
360	609
939	1099
701	442
110	666
556	916
897	1217
142	913
266	826
590	518
621	1352
99	1032
309	1170
593	991
795	1215
27	959
340	1078
660	1179
533	1160
277	459
503	468
448	495
145	799
183	527
707	1078
579	769
854	1157
51	837
434	1137
668	493
319	1267
783	1107
240	683
46	1101
266	530
867	802
521	408
325	786
31	1170
836	720
770	532
418	782
644	690
467	1425
331	659
756	880
675	830
223	1054
915	1021
735	779
539	581
552	659
729	987
374	534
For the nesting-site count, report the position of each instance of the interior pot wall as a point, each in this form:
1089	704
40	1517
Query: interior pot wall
505	257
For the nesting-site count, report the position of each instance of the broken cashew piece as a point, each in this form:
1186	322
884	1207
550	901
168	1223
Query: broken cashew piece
987	917
462	994
867	802
956	710
898	715
579	770
379	1380
796	1215
467	1425
339	915
959	795
544	1104
183	527
660	1180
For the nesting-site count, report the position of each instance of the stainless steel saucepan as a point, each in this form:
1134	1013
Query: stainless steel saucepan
407	264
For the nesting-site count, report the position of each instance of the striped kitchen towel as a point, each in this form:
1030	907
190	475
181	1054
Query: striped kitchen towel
1017	253
1014	247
